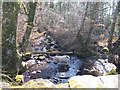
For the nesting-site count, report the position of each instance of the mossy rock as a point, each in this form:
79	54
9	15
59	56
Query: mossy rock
39	83
112	72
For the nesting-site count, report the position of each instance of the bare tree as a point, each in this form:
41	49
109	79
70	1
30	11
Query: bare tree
30	25
9	27
113	24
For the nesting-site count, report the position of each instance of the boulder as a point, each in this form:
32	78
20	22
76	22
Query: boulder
84	81
39	83
65	59
89	81
98	67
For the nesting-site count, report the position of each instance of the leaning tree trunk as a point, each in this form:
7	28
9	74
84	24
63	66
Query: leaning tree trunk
9	26
79	36
113	24
26	36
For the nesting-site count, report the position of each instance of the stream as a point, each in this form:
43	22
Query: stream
56	72
59	68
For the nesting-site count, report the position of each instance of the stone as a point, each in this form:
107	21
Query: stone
65	59
84	81
63	85
99	67
89	81
110	81
38	67
39	83
4	85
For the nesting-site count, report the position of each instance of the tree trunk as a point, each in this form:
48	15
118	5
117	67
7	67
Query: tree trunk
94	17
26	36
79	36
113	25
9	26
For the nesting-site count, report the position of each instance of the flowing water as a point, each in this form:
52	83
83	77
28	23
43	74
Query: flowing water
56	72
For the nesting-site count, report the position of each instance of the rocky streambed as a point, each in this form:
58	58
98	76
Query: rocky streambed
62	70
59	68
56	71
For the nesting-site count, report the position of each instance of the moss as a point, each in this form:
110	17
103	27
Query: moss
112	72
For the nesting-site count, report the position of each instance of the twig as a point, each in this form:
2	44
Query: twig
25	8
6	77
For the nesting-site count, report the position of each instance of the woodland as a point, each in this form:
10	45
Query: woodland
53	44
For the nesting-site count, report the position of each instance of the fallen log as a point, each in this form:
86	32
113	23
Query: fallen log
54	53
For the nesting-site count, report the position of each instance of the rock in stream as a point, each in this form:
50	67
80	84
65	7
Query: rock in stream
98	67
